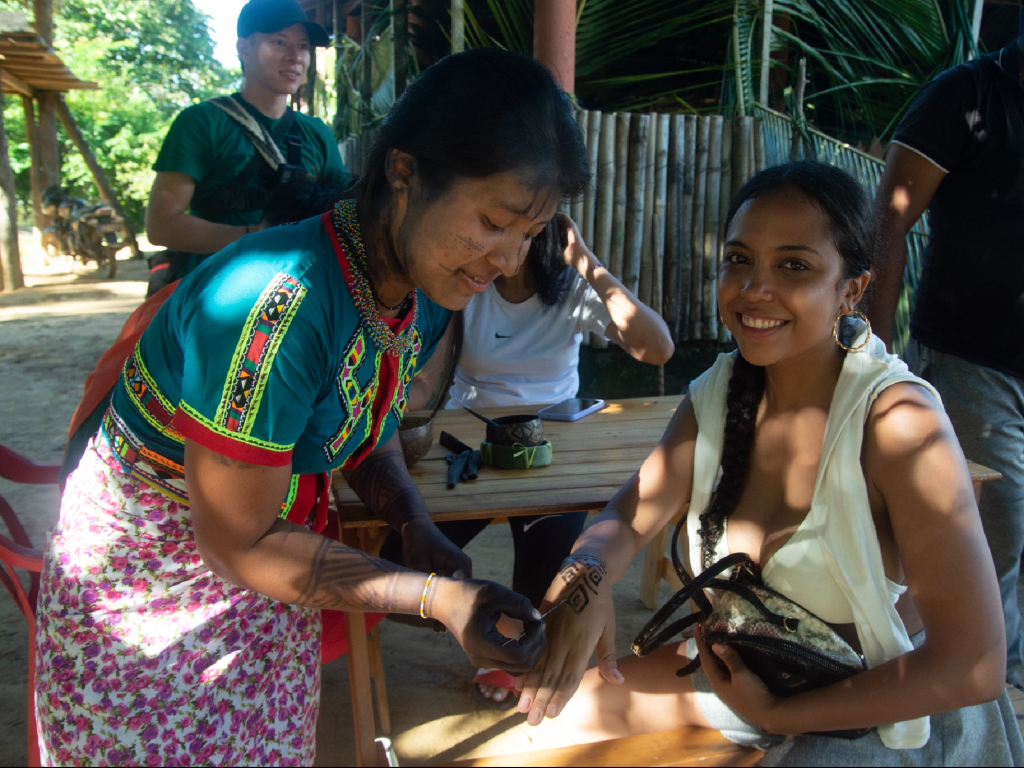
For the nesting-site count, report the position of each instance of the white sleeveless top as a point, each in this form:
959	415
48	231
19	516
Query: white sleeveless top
833	564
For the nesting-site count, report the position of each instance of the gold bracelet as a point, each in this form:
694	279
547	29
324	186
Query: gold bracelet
423	599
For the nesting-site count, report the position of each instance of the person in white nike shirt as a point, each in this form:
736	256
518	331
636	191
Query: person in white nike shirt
521	347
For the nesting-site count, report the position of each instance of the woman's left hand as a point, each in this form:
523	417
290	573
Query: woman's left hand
735	684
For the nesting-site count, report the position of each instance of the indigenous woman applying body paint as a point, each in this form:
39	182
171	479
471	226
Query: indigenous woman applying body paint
178	617
841	476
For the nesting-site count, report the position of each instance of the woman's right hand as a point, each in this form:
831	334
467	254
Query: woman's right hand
585	623
471	608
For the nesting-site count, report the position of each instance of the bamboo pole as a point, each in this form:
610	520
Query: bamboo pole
103	184
660	215
35	175
766	49
760	157
11	277
741	95
590	196
647	244
673	225
639	134
725	200
741	151
604	213
623	122
712	204
576	209
687	307
697	256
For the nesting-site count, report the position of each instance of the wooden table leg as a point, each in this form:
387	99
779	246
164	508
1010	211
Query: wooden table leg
359	683
977	491
651	578
380	687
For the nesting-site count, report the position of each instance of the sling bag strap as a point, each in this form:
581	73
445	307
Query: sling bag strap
236	196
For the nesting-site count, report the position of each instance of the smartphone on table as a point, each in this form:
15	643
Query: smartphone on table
573	409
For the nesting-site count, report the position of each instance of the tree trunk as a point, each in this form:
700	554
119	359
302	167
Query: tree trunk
11	277
103	184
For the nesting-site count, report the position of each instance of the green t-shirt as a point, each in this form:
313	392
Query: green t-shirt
211	147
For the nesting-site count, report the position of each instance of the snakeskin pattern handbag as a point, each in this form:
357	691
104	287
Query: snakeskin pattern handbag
780	641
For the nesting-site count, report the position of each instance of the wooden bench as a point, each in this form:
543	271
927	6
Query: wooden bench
685	746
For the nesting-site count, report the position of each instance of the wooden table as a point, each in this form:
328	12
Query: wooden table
592	459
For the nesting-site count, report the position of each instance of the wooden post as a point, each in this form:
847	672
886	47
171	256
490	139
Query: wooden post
399	44
623	121
11	277
49	150
712	204
35	176
766	49
639	133
554	39
697	255
686	277
605	205
103	184
458	26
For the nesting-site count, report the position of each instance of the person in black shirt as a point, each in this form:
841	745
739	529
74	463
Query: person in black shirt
959	152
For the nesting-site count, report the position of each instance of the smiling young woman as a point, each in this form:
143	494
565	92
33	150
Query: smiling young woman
179	613
821	455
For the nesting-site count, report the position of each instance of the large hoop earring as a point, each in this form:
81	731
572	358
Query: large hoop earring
835	331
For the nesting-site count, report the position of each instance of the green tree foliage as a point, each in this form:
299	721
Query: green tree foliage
151	59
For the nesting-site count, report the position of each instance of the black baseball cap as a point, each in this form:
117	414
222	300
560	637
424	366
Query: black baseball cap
269	16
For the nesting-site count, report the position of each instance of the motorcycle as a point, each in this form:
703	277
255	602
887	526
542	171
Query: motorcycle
80	230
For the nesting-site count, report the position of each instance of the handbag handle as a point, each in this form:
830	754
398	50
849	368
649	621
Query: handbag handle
655	634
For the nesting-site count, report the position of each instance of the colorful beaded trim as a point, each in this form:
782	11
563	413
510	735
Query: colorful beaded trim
347	227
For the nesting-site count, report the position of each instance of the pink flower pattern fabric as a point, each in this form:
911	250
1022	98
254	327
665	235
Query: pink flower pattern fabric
144	657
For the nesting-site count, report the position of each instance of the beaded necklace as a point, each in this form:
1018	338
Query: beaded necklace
359	285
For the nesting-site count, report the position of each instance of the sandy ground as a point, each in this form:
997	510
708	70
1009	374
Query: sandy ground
50	336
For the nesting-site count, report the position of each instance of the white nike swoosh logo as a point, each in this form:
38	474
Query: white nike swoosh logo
529	525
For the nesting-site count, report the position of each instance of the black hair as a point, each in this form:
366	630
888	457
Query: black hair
843	200
471	115
552	277
299	200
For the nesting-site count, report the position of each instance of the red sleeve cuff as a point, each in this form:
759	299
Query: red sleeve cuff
193	427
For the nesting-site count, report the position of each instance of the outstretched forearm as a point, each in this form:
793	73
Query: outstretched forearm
383	484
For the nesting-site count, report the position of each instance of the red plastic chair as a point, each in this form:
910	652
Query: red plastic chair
17	552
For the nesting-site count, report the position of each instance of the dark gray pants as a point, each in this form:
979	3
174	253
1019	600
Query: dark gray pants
987	411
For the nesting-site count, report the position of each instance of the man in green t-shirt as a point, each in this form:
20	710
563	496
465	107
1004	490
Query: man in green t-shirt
211	180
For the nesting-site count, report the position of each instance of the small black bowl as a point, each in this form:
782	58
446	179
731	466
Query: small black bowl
526	429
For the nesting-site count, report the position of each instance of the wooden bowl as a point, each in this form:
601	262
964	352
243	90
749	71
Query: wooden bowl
526	429
416	434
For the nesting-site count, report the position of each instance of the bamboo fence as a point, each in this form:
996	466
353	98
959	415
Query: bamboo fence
657	205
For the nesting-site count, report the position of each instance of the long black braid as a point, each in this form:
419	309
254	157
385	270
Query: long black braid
746	388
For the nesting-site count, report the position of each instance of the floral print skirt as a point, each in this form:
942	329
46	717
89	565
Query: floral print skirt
144	657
